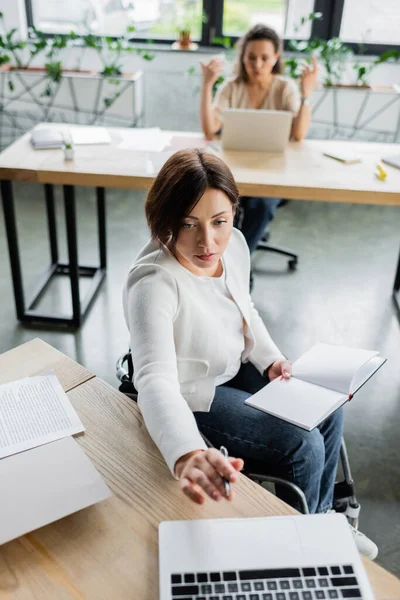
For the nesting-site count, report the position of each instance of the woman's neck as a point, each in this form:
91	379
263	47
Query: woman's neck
263	85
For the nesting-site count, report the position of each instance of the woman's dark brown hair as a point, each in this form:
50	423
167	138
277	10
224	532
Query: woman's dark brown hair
178	187
258	32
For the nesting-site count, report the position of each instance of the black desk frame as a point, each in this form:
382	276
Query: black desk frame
26	312
396	287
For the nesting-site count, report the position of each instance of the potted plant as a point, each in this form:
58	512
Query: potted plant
188	19
68	151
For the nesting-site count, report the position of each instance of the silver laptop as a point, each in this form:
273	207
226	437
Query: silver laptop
305	557
256	130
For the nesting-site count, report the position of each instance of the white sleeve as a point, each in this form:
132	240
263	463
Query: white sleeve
151	305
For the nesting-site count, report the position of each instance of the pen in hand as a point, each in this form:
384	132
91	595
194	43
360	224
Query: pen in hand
227	485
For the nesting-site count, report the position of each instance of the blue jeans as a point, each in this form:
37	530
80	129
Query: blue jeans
257	215
307	458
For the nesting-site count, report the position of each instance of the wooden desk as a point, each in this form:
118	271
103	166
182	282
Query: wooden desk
301	173
110	550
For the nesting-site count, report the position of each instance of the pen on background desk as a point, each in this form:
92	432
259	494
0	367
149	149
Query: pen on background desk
227	485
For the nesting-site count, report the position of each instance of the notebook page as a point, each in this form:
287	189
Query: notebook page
303	404
34	411
365	372
330	366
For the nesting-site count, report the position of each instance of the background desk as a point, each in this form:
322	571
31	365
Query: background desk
302	173
110	550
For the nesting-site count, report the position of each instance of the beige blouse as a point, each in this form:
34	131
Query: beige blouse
284	94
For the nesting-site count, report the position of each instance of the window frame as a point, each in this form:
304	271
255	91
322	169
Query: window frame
212	27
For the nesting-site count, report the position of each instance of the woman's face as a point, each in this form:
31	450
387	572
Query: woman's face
204	233
259	59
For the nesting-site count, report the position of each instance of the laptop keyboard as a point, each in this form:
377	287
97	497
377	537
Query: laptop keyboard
313	583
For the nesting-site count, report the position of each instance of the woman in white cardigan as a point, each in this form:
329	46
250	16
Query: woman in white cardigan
199	347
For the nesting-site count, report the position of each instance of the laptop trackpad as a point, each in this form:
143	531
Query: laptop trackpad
235	544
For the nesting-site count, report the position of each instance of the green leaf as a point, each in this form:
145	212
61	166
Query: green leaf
47	91
4	59
130	28
145	54
110	70
191	70
54	70
10	84
218	82
11	33
387	55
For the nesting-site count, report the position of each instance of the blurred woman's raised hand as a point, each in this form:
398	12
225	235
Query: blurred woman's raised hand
212	70
308	77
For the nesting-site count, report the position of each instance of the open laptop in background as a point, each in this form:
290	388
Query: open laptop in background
256	130
304	557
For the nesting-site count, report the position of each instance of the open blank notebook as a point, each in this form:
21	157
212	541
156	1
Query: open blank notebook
322	380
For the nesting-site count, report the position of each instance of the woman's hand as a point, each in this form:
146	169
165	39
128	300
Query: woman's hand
202	473
308	78
280	368
212	71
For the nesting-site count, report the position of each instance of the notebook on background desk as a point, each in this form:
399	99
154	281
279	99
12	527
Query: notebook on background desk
323	379
393	161
46	138
303	557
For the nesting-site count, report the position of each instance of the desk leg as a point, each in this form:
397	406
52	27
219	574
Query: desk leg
101	219
51	221
13	250
396	286
70	218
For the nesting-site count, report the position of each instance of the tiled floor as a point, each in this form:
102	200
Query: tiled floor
341	293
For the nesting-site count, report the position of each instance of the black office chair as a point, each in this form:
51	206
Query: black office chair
266	247
345	500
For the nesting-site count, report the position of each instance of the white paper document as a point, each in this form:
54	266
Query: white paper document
90	135
150	139
44	484
322	380
34	411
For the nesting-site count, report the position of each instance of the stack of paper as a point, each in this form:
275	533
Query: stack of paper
34	411
44	473
45	138
150	139
90	135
